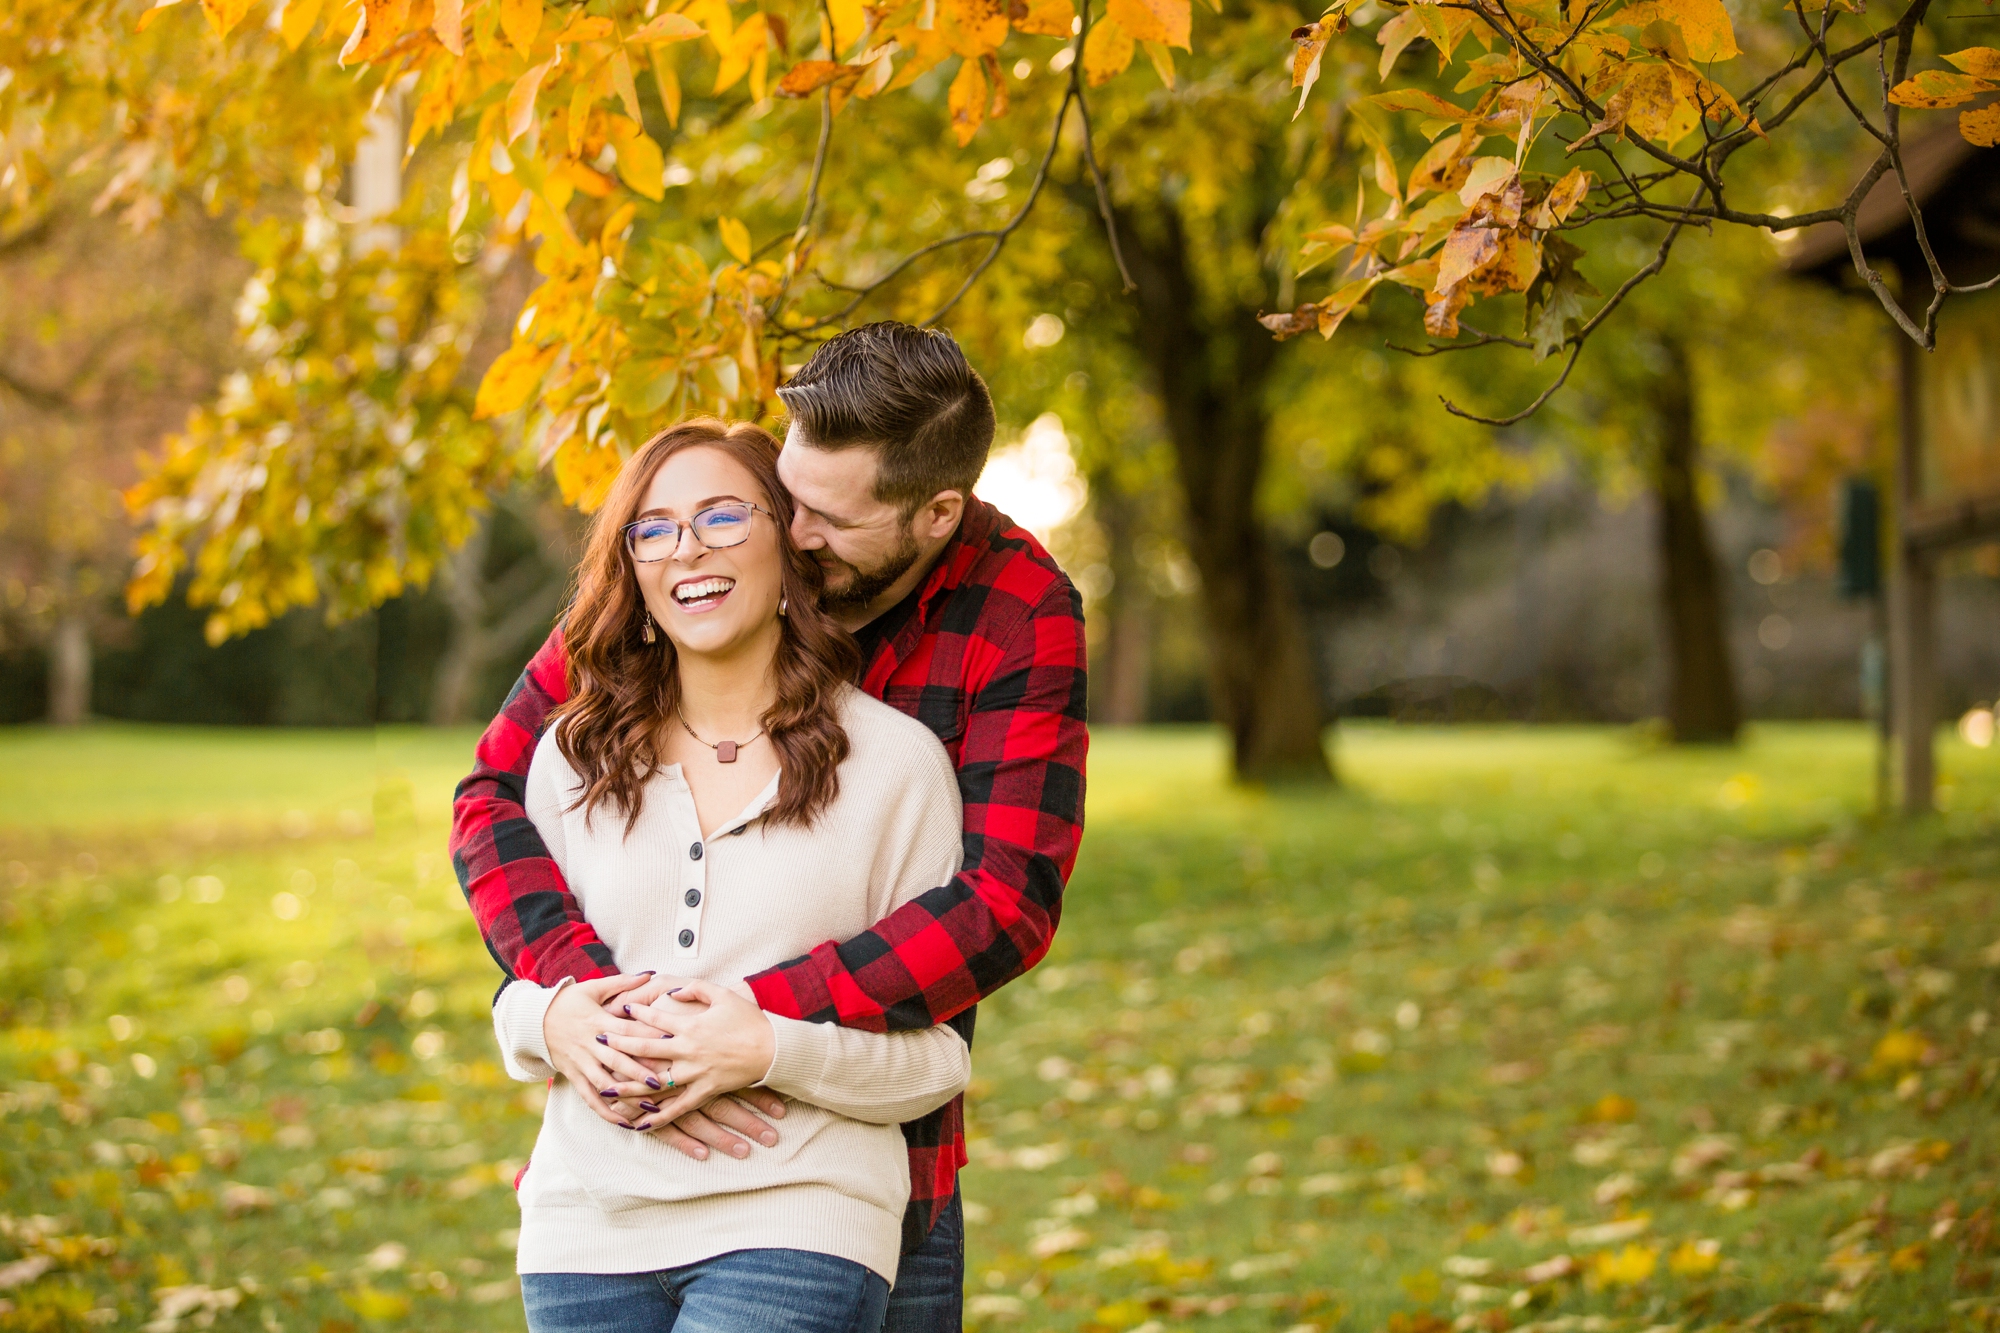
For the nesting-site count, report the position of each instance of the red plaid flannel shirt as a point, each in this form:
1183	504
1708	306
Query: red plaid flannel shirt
989	654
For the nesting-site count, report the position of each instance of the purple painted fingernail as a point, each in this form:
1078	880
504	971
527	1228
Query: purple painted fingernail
647	1125
676	990
621	1124
651	971
628	1011
653	1083
648	1107
609	1092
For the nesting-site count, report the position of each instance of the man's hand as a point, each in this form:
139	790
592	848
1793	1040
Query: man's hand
578	1033
746	1111
716	1043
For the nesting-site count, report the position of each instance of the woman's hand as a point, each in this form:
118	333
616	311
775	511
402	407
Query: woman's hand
748	1112
719	1043
578	1033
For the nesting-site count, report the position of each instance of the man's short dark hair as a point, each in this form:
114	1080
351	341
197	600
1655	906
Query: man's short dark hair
908	394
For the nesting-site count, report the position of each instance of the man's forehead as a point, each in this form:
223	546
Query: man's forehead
849	469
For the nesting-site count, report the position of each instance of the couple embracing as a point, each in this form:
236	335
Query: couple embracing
795	783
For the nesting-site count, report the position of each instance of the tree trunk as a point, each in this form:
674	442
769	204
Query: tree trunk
69	669
1210	369
1701	690
1125	666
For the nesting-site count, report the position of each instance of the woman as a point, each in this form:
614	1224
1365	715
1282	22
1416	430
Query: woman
721	799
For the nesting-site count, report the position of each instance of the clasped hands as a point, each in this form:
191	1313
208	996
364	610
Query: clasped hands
620	1040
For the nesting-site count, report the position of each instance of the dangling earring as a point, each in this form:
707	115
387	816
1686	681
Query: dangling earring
783	603
646	635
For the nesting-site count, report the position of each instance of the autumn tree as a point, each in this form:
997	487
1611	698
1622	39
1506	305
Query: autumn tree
688	180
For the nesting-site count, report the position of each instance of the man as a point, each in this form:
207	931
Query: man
966	624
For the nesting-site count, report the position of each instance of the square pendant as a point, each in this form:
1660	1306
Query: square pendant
725	752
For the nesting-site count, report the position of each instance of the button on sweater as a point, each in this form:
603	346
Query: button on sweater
718	905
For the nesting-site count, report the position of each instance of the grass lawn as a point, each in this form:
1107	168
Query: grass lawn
1521	1028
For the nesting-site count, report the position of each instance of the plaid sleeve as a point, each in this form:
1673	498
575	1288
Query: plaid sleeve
532	923
1020	771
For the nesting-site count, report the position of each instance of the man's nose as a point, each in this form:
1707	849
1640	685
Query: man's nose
805	533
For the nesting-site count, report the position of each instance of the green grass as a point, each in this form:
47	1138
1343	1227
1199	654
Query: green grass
1521	1027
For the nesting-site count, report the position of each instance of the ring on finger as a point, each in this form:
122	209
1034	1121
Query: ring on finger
669	1071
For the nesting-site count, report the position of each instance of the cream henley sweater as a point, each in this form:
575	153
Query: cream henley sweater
720	905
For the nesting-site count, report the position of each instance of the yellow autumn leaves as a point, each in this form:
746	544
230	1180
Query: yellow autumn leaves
1933	88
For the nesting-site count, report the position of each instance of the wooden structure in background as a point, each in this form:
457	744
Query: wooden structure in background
1945	484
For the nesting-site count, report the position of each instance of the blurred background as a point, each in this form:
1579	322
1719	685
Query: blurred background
1537	877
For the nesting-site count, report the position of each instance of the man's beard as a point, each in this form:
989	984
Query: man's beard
864	586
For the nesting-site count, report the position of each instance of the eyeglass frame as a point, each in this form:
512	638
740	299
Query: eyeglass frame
688	525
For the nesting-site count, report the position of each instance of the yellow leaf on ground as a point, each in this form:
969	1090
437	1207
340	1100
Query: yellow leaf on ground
1153	20
1981	126
641	165
1107	51
1628	1267
968	100
1047	18
1983	61
297	24
521	20
511	379
1693	1258
735	238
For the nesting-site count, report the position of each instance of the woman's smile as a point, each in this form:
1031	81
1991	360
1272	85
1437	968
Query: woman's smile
702	594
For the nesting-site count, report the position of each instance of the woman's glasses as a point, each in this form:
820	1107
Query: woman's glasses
717	527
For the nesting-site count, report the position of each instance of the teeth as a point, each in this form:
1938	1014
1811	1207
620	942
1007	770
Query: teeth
689	592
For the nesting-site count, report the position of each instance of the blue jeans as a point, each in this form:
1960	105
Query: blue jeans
930	1281
745	1291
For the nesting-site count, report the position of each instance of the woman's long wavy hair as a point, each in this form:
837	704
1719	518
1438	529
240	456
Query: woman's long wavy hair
624	692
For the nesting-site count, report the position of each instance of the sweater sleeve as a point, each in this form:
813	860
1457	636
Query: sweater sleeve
885	1078
521	1006
879	1078
518	1012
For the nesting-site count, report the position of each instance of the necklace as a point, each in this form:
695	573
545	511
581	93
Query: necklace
725	751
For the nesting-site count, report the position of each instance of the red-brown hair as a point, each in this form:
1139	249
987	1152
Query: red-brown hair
624	691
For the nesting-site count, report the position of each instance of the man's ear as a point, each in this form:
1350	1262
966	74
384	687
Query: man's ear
938	517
